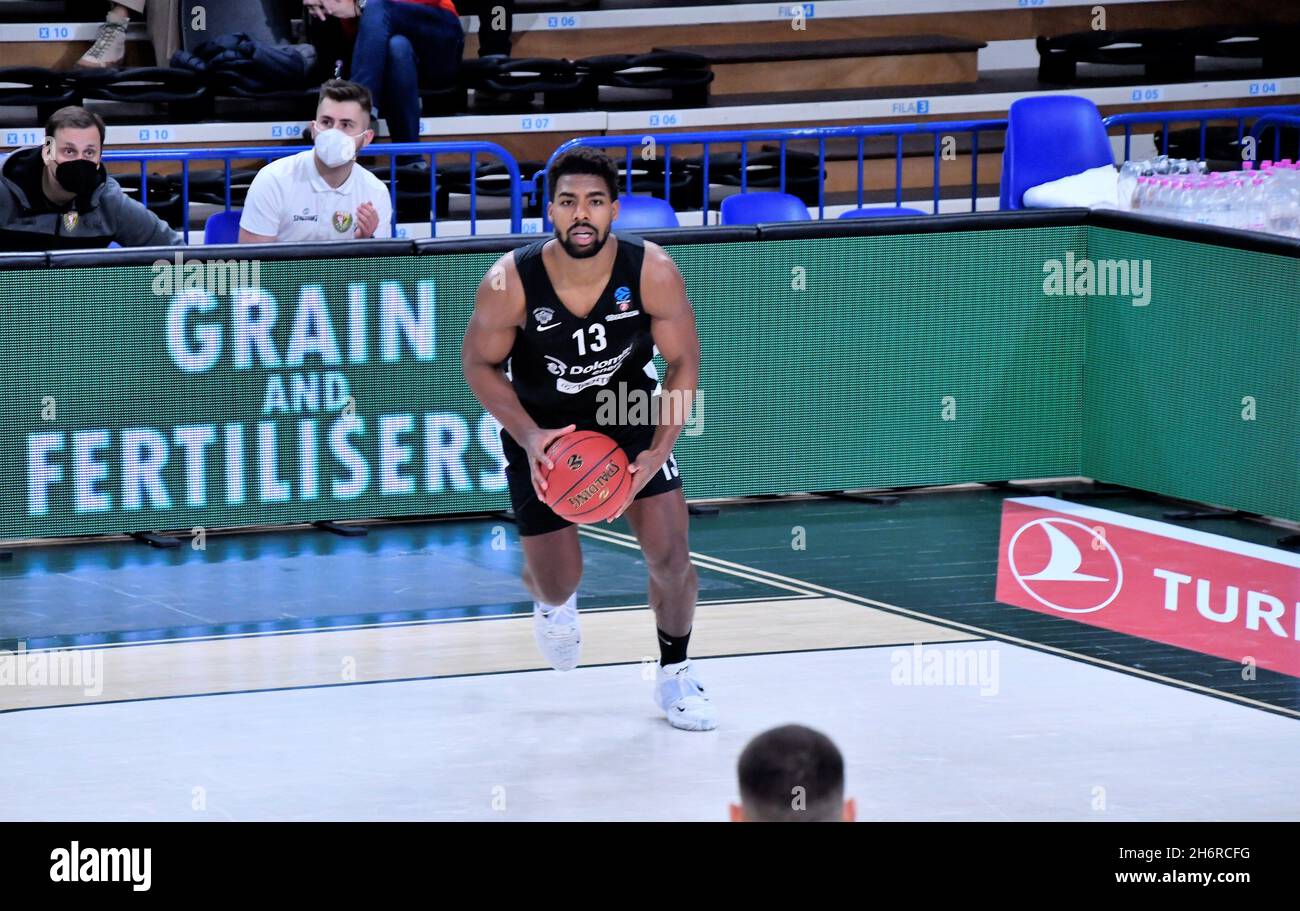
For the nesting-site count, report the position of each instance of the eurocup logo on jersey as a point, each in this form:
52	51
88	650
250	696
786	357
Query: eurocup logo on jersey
555	365
623	297
1065	565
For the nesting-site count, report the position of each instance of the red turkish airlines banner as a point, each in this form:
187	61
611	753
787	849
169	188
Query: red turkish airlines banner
1199	591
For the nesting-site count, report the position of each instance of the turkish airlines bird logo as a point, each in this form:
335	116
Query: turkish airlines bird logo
1065	565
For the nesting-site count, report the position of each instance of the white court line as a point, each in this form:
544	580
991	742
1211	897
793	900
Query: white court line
789	583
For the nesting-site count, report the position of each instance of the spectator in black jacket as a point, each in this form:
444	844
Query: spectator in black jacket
59	197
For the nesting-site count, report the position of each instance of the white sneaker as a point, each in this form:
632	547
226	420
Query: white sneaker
109	49
557	634
680	695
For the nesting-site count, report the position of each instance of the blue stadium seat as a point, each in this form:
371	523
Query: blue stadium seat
637	212
222	228
1050	137
753	208
881	212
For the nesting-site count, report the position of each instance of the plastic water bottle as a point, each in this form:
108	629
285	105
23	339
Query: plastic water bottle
1286	173
1186	199
1255	205
1214	202
1138	202
1129	173
1282	195
1286	211
1231	204
1156	197
1169	199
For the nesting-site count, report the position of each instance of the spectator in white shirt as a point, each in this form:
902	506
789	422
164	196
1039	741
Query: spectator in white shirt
322	194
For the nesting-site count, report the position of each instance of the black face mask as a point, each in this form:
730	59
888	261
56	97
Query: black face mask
80	177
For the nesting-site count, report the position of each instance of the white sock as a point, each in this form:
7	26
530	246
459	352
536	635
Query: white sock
549	609
118	17
669	669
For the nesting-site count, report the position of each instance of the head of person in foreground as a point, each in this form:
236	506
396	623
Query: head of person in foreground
792	774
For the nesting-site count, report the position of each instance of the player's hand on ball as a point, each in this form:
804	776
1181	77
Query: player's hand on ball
367	220
642	471
536	444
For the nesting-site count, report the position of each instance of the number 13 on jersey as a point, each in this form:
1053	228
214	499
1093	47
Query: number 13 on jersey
597	342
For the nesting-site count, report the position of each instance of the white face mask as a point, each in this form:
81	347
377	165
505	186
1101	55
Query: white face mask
335	148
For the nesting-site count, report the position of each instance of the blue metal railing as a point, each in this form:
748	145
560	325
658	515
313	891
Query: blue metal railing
1201	116
663	143
1276	121
473	148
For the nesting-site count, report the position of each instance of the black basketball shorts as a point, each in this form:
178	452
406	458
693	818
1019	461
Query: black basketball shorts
533	517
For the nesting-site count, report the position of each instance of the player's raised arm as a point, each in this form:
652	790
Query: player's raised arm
498	314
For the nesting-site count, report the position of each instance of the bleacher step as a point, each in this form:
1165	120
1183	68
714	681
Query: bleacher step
839	63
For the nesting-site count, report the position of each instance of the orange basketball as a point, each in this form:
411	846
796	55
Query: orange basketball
590	480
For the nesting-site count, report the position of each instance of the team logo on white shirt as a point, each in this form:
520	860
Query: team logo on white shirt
69	220
342	221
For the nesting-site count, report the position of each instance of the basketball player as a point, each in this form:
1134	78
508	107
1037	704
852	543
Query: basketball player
554	324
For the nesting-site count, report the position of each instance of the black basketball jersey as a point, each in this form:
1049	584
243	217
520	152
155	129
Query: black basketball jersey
560	363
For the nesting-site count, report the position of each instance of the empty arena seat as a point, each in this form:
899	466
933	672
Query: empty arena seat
492	180
222	227
35	86
636	212
685	76
413	184
763	171
560	82
1162	53
1274	44
854	62
443	100
880	212
1050	137
209	185
753	208
1167	53
164	194
141	84
648	178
